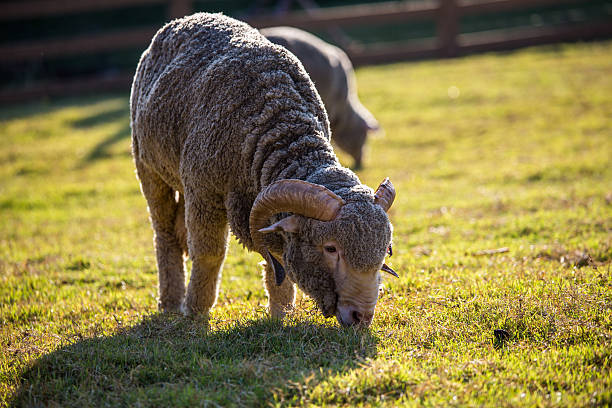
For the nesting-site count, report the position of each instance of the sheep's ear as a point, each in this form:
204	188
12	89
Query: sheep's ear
390	271
279	271
288	224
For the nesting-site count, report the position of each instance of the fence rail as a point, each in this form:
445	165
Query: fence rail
76	45
445	13
15	10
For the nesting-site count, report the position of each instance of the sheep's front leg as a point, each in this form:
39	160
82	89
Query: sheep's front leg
180	230
163	210
207	232
280	298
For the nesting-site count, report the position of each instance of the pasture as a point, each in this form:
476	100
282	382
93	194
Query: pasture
503	243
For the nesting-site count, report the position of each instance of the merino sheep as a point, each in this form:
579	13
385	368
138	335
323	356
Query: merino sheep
332	73
228	129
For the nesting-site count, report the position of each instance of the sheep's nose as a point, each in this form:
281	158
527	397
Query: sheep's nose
350	317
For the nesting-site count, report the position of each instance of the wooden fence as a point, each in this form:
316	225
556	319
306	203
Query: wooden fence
448	42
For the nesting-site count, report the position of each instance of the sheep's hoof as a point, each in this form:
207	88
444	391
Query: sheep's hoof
169	307
200	315
279	311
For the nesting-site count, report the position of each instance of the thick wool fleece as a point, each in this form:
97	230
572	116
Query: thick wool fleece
218	113
332	73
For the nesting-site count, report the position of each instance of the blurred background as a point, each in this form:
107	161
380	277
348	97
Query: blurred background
59	47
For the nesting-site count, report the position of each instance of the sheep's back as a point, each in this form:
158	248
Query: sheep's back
163	94
209	83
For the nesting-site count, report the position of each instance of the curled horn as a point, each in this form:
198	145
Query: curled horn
385	194
296	196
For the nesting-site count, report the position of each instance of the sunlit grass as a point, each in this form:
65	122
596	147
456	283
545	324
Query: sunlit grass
487	152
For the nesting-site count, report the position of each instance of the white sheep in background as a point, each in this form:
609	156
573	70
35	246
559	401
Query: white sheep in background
232	125
332	73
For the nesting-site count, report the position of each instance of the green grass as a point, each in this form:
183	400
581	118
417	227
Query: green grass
520	159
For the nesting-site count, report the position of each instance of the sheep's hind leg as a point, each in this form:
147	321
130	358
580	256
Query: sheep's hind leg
207	233
163	210
280	297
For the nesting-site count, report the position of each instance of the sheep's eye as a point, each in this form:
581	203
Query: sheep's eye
331	249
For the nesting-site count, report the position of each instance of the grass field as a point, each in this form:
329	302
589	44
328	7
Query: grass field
487	152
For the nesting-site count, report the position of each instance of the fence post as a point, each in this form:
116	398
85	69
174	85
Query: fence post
447	28
180	8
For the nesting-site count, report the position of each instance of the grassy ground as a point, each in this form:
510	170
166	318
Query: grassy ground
486	152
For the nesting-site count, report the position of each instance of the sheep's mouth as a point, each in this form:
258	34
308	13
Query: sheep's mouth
339	318
329	310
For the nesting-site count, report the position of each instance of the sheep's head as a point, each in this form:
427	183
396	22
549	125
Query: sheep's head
352	128
333	250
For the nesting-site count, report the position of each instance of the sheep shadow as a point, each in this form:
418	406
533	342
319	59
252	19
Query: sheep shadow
31	109
101	117
167	359
101	150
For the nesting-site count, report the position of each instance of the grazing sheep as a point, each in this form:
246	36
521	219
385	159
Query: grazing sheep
227	129
332	73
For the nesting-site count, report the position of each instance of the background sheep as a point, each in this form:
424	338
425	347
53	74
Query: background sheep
233	124
332	73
